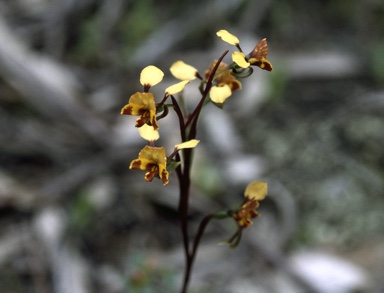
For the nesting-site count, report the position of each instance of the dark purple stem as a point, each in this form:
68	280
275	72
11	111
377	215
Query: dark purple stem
183	173
195	114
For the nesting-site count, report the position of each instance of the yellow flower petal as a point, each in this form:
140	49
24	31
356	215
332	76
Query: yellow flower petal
176	88
228	37
188	144
256	190
239	59
219	94
149	133
146	100
183	71
151	75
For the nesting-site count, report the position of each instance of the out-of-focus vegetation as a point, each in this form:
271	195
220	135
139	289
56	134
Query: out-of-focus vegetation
72	213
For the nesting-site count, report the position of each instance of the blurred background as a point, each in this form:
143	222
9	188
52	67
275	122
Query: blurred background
74	218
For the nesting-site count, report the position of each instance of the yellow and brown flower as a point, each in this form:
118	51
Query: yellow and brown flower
142	104
255	191
154	160
246	213
225	82
257	57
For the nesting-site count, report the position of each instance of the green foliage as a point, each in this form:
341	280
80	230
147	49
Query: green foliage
10	281
344	10
208	178
377	61
137	24
87	49
326	148
277	83
281	14
146	277
81	214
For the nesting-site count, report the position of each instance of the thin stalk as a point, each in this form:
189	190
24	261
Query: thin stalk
181	119
188	130
203	224
196	112
185	183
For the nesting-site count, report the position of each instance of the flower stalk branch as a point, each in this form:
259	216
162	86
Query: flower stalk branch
217	84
